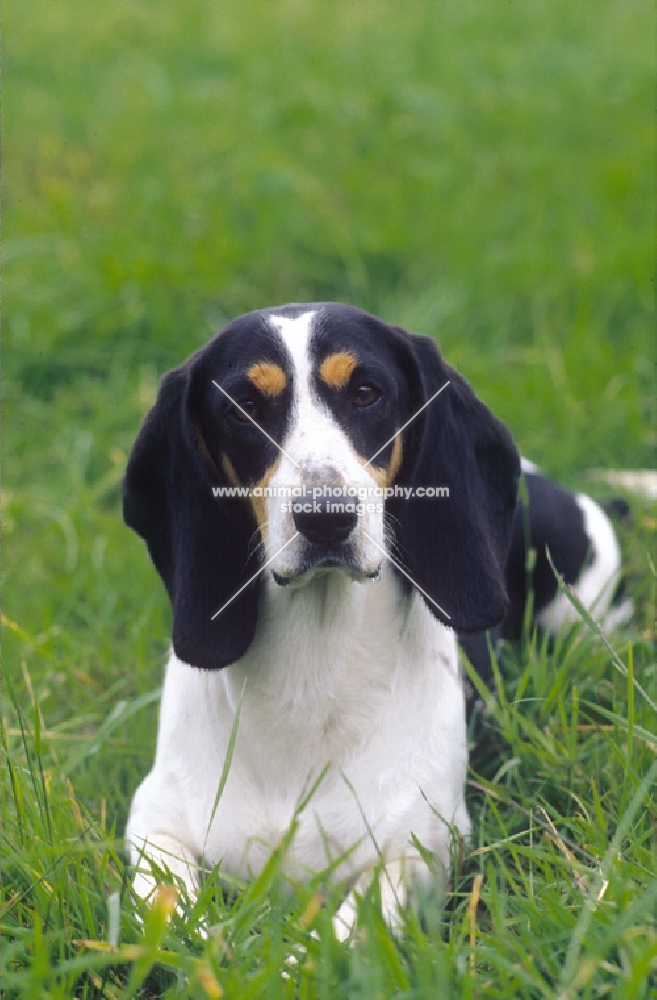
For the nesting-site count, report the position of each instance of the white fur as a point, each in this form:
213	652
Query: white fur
350	674
642	482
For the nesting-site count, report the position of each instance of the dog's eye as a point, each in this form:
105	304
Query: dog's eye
365	395
248	408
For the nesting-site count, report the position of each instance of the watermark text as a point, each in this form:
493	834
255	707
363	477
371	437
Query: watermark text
331	492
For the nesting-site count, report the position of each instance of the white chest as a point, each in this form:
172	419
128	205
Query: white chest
352	687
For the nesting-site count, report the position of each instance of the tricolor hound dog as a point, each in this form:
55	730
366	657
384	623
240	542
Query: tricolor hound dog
377	519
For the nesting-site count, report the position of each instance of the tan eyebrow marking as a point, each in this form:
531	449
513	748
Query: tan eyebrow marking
337	369
268	378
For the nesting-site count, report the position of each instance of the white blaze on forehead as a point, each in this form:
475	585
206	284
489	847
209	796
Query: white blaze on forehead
296	334
315	439
317	449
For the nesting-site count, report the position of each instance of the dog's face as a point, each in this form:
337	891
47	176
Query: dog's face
328	395
316	413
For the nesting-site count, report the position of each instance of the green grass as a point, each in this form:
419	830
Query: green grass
481	172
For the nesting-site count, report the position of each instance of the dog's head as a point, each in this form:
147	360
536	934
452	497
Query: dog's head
296	440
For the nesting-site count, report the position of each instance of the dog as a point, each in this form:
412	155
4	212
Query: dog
331	507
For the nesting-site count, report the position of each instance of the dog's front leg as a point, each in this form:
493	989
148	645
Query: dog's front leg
162	853
395	880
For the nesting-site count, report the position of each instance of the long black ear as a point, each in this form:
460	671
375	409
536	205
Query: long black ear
455	547
202	547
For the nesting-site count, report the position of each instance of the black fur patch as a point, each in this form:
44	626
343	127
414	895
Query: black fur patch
550	519
205	547
383	363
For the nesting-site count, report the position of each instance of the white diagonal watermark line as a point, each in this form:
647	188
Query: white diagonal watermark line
249	417
407	575
403	428
254	577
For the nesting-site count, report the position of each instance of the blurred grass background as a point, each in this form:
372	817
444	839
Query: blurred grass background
480	172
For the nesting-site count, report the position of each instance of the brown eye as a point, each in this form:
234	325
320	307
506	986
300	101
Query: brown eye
246	411
365	395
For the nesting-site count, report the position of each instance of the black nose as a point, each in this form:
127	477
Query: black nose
324	522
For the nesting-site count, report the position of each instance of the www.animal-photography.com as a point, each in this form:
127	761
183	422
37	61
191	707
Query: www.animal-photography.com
329	501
